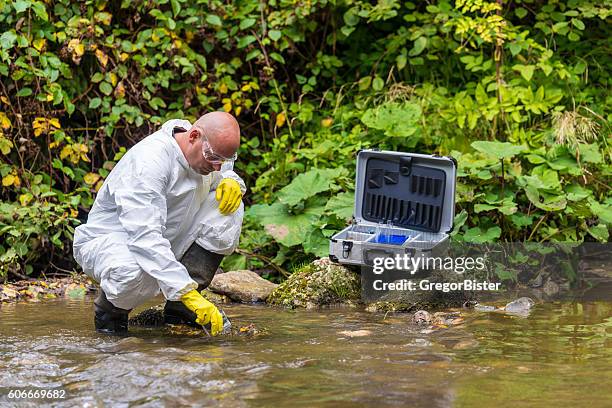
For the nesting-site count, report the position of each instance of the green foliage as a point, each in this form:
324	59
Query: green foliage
518	92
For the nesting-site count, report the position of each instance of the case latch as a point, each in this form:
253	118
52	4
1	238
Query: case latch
346	248
405	166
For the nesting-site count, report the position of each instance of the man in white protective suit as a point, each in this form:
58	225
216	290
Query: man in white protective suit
163	220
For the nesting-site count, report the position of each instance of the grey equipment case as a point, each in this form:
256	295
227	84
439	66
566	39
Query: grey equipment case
404	204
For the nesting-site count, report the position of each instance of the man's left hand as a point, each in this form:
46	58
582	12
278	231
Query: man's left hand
229	196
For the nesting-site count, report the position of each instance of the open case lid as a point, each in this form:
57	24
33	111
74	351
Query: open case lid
412	191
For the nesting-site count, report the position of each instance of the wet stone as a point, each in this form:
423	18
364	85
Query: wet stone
520	306
320	283
242	286
421	318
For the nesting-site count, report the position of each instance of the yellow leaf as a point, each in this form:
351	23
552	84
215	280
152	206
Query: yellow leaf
66	151
52	144
99	185
280	119
91	178
246	88
102	57
82	147
327	122
124	56
5	100
120	90
238	110
223	88
8	180
227	107
113	78
39	43
77	48
5	122
84	158
16	181
49	97
55	123
73	213
24	199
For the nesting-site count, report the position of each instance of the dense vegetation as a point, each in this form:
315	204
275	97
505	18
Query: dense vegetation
517	91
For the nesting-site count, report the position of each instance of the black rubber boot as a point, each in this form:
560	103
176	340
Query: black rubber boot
108	318
202	266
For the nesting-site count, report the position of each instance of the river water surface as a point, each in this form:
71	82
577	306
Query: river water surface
561	353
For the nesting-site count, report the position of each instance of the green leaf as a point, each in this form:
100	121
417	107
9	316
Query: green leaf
520	12
21	5
246	23
106	88
478	236
499	150
94	103
287	229
317	244
213	19
246	40
419	46
525	70
590	153
602	211
176	7
599	232
545	201
253	54
578	24
40	10
378	83
97	77
7	39
275	35
277	57
401	61
306	185
341	205
395	119
24	92
515	48
364	83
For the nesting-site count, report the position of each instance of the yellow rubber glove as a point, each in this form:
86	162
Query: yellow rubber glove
205	311
229	196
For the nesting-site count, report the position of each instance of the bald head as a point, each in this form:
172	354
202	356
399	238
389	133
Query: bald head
222	131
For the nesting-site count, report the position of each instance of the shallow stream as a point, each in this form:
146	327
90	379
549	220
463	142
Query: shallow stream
338	357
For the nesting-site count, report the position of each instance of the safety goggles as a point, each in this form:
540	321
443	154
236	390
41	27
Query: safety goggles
213	157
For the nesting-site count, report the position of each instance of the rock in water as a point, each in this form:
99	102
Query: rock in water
520	306
421	318
242	286
320	283
151	317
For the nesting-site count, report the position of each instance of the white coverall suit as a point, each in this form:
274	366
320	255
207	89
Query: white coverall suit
149	211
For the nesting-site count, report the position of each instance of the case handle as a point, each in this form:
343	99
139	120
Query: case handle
346	248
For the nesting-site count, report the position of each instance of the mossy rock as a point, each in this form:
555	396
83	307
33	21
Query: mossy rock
319	283
409	301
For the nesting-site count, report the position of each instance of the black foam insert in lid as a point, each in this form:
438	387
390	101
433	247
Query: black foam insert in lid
409	195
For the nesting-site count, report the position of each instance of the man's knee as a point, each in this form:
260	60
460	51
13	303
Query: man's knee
201	264
128	286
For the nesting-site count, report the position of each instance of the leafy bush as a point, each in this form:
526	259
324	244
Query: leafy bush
312	82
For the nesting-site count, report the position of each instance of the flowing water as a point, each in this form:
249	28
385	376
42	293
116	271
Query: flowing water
337	357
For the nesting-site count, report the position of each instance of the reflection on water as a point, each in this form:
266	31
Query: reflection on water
338	357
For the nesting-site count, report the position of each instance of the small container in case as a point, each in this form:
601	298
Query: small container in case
404	204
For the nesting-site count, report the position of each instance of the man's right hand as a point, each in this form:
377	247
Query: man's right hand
205	311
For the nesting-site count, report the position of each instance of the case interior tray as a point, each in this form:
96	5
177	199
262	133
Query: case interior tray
409	196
